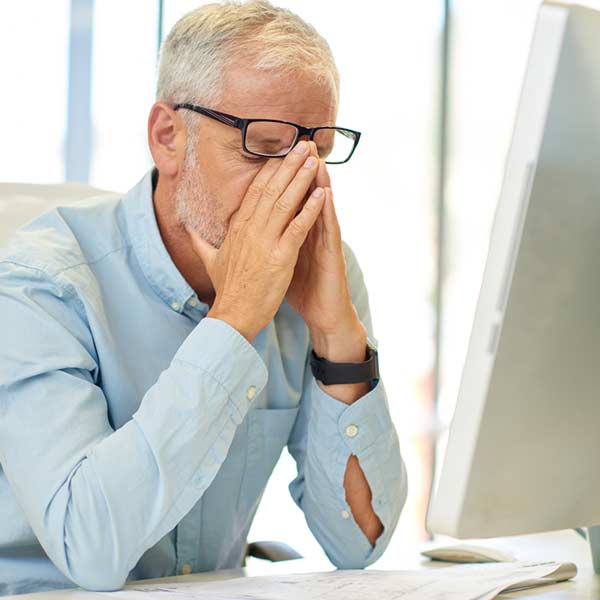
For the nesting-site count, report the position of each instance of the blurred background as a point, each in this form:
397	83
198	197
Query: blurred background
433	85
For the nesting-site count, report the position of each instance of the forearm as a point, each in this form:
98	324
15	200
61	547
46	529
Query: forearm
322	450
99	499
349	345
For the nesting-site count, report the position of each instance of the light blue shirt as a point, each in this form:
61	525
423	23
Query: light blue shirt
137	434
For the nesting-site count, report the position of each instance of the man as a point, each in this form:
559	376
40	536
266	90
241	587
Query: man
156	348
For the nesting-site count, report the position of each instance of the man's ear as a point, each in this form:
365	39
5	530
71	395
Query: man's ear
167	138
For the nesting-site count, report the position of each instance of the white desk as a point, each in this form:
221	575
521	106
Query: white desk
564	546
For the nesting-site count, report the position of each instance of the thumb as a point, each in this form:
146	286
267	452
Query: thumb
207	252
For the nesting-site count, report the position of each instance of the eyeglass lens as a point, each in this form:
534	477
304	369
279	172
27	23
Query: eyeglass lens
276	139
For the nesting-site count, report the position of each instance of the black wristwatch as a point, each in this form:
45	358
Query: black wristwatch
331	373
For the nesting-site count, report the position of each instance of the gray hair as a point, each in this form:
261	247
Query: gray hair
203	42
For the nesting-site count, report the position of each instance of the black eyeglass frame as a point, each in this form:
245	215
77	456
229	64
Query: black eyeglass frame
242	125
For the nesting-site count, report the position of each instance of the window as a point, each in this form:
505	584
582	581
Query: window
490	47
34	91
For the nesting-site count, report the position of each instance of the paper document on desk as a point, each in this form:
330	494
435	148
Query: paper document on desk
464	582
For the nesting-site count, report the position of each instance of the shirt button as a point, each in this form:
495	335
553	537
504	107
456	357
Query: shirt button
175	305
345	514
192	301
250	392
352	431
187	569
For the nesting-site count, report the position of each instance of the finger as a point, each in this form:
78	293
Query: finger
332	231
313	151
255	189
292	164
322	176
323	180
299	228
206	251
313	185
293	198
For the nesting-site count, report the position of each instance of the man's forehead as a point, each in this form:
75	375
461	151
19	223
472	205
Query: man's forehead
254	93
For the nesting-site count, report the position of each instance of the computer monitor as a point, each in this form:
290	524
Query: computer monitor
523	452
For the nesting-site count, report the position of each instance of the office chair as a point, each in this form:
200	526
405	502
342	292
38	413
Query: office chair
22	202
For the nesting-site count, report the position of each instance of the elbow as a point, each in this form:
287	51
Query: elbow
95	578
83	536
92	551
92	564
347	563
95	564
100	584
349	560
355	555
360	557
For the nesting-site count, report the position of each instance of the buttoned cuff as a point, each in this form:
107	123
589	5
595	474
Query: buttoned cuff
223	352
364	429
194	408
358	425
358	428
210	383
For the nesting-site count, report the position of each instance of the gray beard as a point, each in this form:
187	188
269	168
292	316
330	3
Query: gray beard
195	205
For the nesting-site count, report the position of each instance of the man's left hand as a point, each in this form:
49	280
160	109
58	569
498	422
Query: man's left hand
319	292
319	289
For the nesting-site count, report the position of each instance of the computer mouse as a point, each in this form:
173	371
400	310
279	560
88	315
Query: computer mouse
466	553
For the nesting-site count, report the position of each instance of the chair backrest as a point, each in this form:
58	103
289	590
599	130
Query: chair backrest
22	202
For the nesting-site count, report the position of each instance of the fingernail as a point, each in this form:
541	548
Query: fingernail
300	148
311	161
318	192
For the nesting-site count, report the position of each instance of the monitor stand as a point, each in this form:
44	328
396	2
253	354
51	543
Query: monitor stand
594	538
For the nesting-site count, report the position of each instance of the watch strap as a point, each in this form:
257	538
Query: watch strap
335	373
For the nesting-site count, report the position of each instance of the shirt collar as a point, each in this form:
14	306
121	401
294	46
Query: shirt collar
155	261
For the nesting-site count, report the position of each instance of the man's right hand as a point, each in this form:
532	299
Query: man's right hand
252	270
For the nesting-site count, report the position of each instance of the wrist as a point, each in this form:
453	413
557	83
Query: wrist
234	321
348	344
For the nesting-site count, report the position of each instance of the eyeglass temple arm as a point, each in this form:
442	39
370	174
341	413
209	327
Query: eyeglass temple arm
215	114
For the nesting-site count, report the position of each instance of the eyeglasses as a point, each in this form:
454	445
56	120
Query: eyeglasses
271	138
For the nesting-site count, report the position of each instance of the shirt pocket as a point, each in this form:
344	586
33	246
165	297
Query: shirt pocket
268	432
